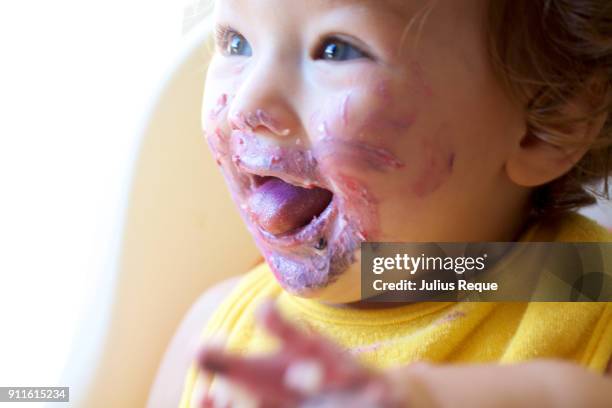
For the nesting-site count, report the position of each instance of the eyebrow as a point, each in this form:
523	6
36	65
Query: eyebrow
396	5
378	2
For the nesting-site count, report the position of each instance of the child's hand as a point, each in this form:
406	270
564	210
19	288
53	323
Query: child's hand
307	371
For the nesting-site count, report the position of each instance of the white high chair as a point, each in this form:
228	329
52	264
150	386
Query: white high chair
182	234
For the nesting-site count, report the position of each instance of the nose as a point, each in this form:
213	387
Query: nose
265	100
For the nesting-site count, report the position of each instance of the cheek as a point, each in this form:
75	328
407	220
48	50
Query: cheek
355	135
213	110
371	145
220	89
360	129
219	92
368	126
433	166
370	114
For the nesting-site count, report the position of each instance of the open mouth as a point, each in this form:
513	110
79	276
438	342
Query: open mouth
284	209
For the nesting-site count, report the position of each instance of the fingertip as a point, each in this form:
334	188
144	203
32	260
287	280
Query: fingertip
212	359
266	309
270	318
218	339
207	402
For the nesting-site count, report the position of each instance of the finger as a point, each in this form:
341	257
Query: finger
207	402
309	344
340	369
262	376
201	387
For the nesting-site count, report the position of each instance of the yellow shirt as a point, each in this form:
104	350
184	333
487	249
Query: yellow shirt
460	332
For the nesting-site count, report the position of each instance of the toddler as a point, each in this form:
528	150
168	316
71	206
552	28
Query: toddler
336	122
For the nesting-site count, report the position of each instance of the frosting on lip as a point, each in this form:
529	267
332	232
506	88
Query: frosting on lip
311	256
295	165
341	214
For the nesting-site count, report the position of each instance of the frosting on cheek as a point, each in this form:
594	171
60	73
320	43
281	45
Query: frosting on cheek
418	81
436	164
349	147
357	153
373	121
219	107
339	159
217	138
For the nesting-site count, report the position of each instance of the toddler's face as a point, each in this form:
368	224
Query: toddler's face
339	121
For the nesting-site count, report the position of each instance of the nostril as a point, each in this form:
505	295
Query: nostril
268	121
260	118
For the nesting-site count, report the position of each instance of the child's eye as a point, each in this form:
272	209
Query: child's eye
233	43
335	49
238	45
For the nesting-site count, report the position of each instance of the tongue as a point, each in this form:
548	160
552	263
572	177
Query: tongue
280	207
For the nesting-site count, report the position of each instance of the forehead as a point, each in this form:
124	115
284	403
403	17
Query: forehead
394	5
380	3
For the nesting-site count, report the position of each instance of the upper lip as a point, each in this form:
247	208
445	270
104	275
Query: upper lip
292	165
255	174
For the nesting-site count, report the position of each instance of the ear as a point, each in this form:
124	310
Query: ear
535	160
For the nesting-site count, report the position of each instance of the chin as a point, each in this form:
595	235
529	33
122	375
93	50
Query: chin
312	258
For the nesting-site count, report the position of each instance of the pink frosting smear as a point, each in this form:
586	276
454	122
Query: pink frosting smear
306	210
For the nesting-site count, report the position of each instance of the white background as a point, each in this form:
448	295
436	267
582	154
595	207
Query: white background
75	79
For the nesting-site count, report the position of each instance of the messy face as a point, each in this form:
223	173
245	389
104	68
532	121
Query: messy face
338	122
